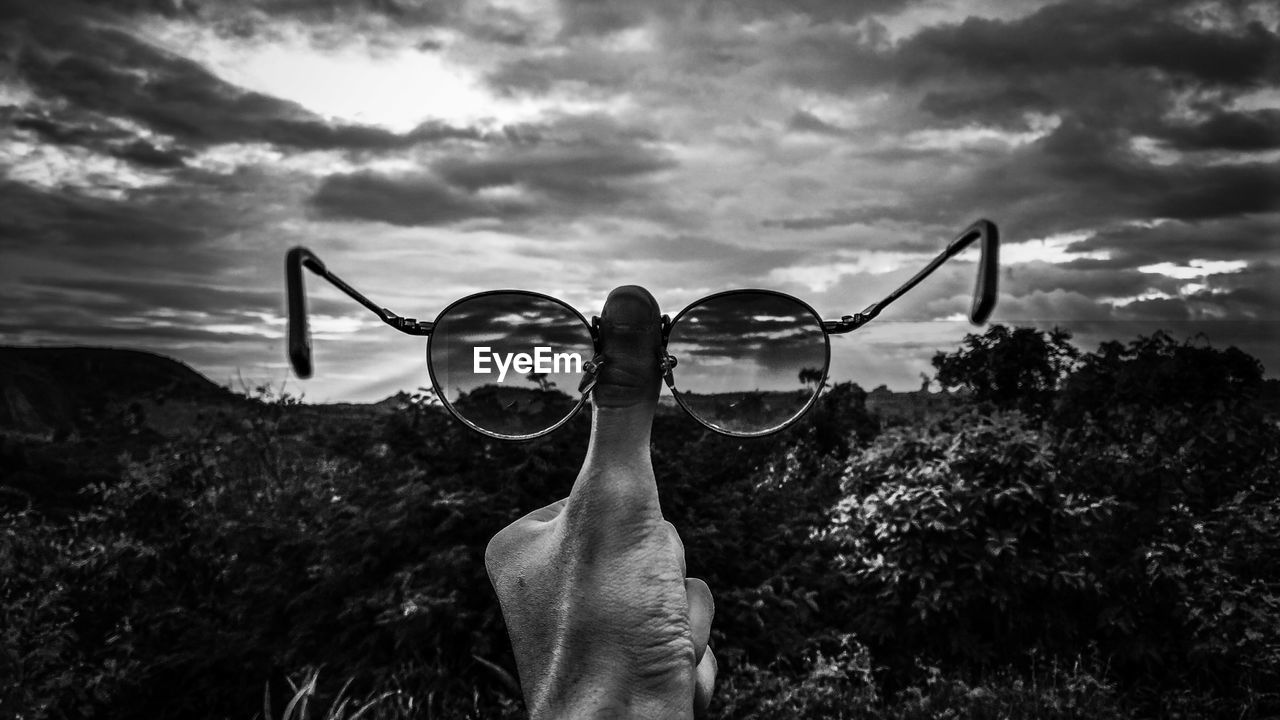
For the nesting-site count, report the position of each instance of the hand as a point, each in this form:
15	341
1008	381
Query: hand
603	622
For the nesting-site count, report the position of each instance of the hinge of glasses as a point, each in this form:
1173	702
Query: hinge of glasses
852	322
590	374
845	324
410	326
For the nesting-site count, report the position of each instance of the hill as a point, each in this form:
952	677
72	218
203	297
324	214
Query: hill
64	390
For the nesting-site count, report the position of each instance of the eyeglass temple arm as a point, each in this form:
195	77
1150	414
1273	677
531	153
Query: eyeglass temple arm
299	328
984	294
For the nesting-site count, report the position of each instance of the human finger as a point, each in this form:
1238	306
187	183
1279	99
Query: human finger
705	683
702	610
616	488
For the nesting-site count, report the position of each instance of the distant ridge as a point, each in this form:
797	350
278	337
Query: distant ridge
52	389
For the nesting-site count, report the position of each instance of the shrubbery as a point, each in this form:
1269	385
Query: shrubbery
1106	550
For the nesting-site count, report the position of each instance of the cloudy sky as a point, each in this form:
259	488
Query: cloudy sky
158	157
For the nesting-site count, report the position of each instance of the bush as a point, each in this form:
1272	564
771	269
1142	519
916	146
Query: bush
838	685
965	544
1009	369
960	567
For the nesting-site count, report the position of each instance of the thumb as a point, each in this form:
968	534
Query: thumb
618	471
626	392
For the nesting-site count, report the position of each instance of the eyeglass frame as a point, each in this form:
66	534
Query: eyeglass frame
299	337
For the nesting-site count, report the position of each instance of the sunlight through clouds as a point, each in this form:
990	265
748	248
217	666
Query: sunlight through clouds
60	168
1051	249
397	87
976	136
1195	268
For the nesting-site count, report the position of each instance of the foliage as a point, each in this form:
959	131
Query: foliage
750	510
1053	693
1156	374
305	693
964	543
1019	368
1085	544
837	684
49	665
840	685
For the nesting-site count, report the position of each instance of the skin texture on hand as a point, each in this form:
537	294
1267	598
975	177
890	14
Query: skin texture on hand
603	622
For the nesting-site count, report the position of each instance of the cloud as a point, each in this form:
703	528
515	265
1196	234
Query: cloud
1226	130
1065	37
577	165
1250	237
89	225
597	18
806	122
1081	176
158	158
417	199
104	74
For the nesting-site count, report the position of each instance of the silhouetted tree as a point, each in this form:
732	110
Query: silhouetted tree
541	380
1019	368
810	376
1158	372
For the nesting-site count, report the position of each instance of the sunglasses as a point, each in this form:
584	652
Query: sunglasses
516	365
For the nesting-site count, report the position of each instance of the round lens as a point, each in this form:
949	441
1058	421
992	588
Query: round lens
748	362
508	363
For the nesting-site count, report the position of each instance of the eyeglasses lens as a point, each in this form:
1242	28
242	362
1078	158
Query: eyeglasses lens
509	363
748	362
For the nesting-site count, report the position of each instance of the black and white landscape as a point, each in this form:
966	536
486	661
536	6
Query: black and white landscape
1073	512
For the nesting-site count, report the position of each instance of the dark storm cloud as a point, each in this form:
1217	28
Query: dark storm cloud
603	17
71	127
93	226
110	312
127	296
1116	282
92	327
1226	130
1113	71
1066	182
249	17
836	218
999	106
1079	176
1250	238
1110	74
597	69
692	248
417	199
806	122
1109	64
327	23
104	72
577	165
565	172
60	133
693	41
144	154
186	233
1070	36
